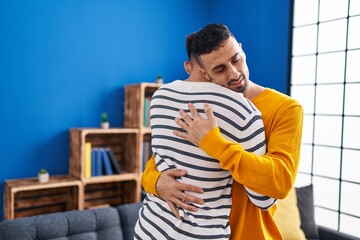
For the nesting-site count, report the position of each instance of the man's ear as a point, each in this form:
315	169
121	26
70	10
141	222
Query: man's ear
187	66
242	50
205	74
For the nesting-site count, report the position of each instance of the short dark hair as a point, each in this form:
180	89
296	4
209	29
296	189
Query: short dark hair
208	39
188	43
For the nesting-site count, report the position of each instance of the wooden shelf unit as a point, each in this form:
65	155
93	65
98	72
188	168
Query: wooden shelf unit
135	95
108	189
134	103
28	197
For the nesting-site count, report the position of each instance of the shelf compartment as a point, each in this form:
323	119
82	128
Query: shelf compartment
110	193
28	197
123	142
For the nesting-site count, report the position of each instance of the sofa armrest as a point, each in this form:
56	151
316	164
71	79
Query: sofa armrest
129	214
330	234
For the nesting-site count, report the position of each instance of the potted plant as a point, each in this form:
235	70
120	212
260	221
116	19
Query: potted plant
159	79
104	121
43	176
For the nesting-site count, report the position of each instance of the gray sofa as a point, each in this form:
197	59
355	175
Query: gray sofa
305	203
110	223
329	234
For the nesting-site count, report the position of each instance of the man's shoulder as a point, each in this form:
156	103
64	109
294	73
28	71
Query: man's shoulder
167	88
200	88
280	97
171	84
274	101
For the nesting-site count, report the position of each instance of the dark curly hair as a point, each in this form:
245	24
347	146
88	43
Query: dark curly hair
188	43
208	39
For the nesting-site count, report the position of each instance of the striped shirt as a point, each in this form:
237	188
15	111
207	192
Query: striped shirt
238	120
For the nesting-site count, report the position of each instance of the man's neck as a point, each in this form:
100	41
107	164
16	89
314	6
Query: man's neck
253	90
194	78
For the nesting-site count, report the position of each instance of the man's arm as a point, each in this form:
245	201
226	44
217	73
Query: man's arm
164	185
150	176
172	191
272	174
197	128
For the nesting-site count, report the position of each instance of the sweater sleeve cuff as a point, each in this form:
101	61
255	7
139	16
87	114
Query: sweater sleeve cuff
214	143
151	187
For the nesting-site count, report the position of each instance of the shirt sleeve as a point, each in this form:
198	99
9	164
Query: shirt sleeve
150	176
272	174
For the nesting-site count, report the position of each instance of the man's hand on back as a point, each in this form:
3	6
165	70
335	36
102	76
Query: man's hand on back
173	191
196	127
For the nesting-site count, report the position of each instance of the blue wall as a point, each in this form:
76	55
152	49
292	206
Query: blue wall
64	62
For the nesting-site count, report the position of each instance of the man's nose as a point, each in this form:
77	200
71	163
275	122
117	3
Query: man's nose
233	73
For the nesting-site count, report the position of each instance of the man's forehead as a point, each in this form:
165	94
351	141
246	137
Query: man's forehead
223	54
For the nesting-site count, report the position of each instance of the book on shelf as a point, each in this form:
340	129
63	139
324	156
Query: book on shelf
93	162
146	154
96	162
147	102
107	169
114	163
87	160
103	162
99	163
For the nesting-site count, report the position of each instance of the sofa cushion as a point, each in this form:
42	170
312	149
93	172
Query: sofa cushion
21	228
305	202
54	225
129	214
287	218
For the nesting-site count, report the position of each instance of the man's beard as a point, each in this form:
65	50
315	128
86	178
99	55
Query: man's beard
240	89
243	88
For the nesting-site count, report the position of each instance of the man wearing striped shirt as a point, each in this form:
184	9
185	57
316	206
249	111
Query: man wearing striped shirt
239	121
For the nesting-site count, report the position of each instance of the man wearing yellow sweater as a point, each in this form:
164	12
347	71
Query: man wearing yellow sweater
222	61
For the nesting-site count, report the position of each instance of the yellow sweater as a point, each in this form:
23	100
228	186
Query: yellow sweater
272	174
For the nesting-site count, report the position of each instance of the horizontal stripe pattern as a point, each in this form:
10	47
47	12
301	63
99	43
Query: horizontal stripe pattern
238	120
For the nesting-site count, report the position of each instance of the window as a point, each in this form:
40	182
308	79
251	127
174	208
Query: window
325	79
